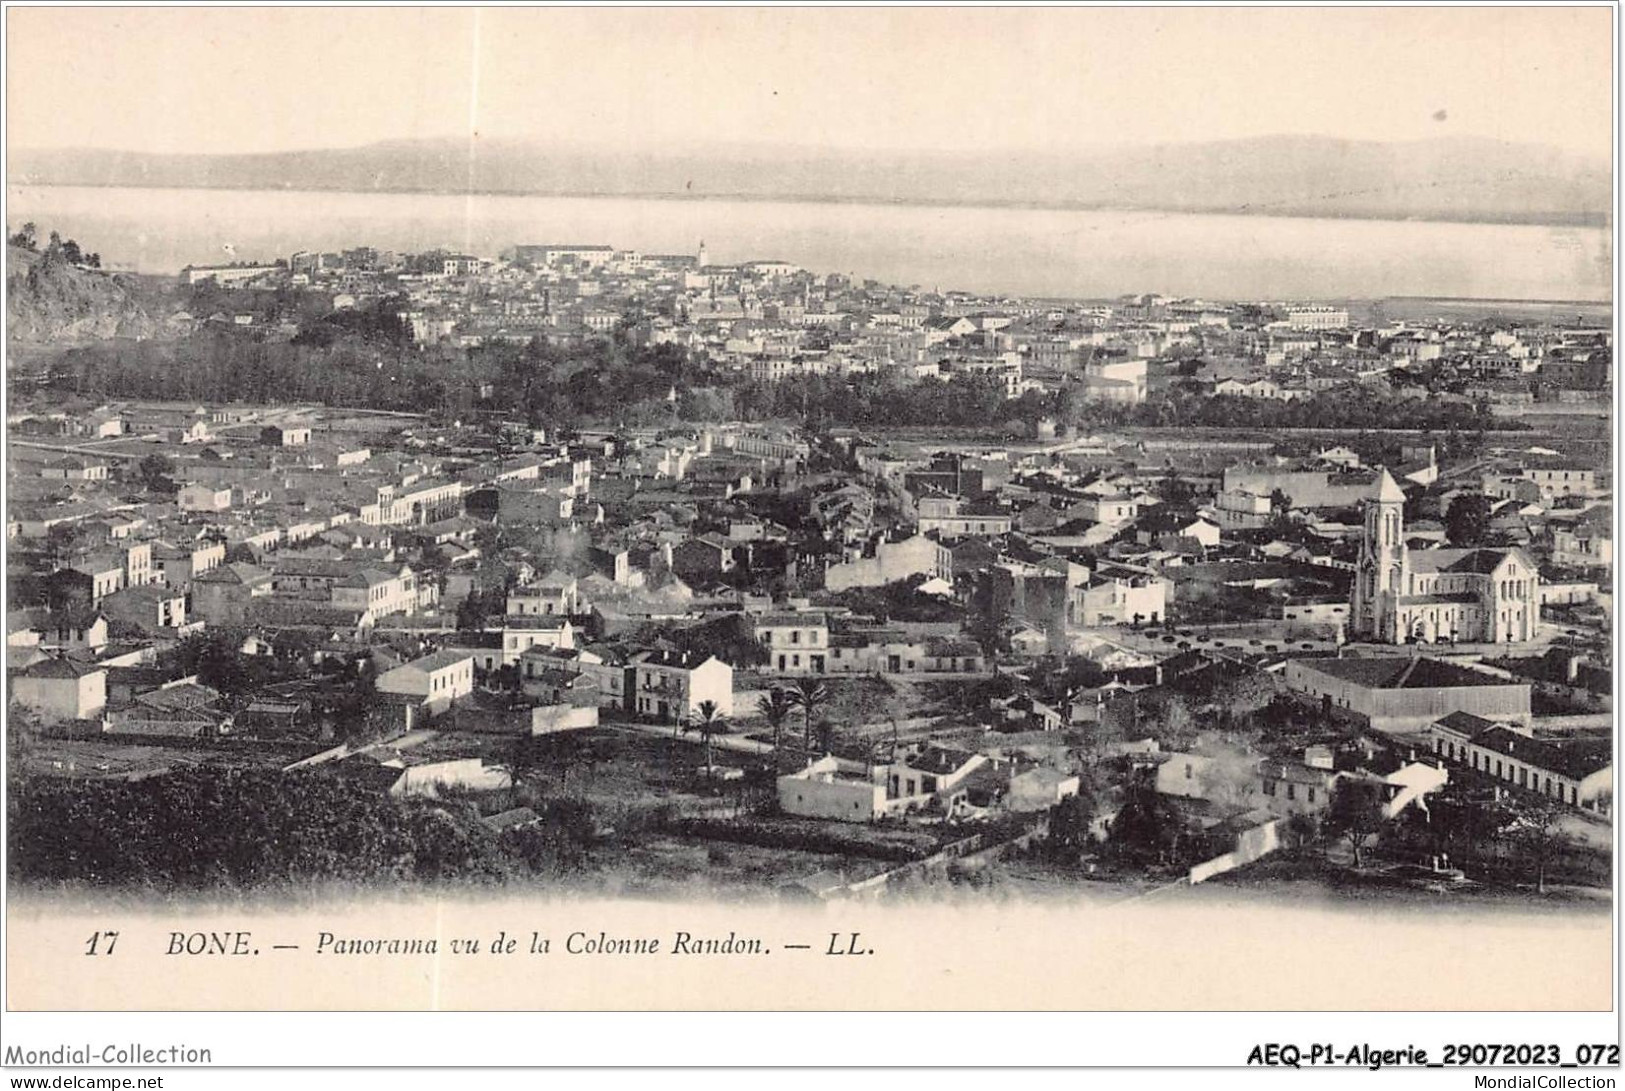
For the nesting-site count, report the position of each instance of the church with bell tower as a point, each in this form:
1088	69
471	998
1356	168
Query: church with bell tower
1425	596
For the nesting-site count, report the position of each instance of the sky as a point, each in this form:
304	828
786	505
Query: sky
256	80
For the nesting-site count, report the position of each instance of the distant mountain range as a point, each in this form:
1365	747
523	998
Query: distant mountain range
1455	178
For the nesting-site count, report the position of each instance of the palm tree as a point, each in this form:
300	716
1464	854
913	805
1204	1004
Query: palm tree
776	708
708	721
808	695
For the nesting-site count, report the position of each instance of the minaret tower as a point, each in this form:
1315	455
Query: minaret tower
1380	576
703	257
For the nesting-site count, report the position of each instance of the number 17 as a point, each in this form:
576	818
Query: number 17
95	940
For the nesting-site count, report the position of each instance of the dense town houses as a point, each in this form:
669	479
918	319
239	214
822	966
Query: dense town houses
1161	552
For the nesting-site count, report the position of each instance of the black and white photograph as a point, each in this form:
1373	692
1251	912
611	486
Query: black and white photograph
810	509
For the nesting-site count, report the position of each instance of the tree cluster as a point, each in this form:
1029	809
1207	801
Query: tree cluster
900	600
823	401
68	250
221	365
1149	830
729	637
1467	521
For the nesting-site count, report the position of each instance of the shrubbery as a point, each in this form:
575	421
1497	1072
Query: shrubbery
211	827
805	837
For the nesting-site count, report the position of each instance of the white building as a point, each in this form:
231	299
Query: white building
197	497
1579	775
1120	381
1316	318
829	789
61	689
1562	481
435	680
797	643
1590	546
523	632
671	686
1118	599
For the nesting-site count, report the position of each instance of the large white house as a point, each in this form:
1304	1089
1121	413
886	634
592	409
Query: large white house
61	689
521	632
435	680
796	643
671	686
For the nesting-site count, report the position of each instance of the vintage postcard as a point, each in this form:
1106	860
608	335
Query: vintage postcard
766	509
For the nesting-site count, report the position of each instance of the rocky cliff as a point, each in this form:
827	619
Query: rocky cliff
52	301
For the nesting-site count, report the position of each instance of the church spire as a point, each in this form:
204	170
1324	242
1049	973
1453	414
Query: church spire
1381	573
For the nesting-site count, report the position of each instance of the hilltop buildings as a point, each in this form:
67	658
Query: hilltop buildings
977	618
